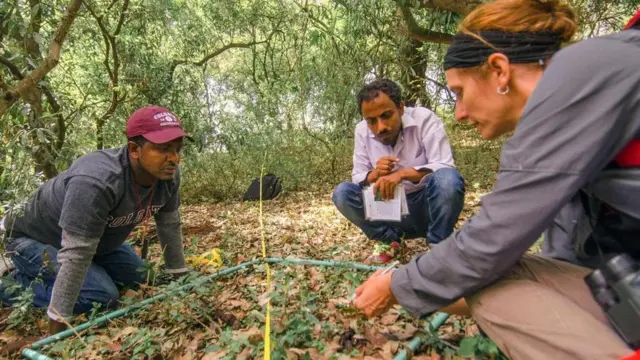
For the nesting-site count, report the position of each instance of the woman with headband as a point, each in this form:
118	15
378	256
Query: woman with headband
574	115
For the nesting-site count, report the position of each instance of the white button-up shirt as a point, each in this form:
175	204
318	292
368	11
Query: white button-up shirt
422	144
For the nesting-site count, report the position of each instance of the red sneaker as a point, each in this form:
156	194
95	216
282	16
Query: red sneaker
384	253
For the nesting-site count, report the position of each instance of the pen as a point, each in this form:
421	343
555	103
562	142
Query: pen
388	268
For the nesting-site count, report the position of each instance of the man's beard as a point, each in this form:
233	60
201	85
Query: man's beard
143	172
386	139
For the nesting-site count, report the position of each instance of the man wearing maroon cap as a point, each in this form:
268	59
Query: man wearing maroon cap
68	243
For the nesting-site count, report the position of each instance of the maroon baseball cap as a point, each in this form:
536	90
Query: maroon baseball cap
156	124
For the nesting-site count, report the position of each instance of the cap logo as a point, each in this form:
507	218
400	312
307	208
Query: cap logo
167	119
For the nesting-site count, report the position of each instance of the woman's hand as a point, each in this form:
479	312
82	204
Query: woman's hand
374	297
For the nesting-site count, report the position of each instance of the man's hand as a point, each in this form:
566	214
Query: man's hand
374	297
384	166
387	185
56	327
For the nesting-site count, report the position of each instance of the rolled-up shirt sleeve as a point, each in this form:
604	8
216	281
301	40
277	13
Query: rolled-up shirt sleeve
575	122
361	163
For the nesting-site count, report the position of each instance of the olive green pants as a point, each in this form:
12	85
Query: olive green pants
544	310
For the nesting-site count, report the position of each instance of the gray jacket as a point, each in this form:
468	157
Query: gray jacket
585	109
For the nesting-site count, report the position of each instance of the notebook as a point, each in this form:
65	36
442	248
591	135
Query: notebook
376	209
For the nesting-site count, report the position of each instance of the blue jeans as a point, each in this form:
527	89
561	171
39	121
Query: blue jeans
107	273
433	210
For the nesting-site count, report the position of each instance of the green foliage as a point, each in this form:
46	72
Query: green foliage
479	346
22	312
247	78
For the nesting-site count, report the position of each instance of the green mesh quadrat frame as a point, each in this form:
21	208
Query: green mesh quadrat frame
32	352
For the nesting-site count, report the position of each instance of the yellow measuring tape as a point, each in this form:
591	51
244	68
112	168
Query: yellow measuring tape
267	326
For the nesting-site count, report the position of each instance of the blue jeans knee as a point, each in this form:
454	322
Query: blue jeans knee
345	194
448	182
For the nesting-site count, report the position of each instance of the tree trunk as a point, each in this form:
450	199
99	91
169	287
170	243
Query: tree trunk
30	81
100	133
413	77
42	152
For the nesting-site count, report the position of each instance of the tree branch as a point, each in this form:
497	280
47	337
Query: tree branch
61	126
462	7
53	57
111	50
212	55
60	123
105	36
443	87
15	71
113	2
125	5
416	32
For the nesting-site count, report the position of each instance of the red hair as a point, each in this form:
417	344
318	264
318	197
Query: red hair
552	16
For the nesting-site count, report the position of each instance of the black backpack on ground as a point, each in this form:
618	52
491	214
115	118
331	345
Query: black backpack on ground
271	188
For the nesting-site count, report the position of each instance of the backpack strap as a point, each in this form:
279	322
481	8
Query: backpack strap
634	22
630	155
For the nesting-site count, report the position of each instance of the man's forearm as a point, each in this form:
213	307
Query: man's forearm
411	174
169	228
372	176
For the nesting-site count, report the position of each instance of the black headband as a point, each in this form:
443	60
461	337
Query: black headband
520	47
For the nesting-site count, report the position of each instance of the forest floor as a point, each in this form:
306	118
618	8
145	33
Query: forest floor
311	314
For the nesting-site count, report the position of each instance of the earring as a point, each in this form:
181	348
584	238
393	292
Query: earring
503	92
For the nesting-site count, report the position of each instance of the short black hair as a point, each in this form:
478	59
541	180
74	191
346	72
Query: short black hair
138	140
374	88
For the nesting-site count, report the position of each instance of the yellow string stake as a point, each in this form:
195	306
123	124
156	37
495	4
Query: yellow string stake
267	326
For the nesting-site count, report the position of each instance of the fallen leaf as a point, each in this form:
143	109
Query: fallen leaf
216	355
427	357
374	337
397	333
389	319
252	335
9	336
126	331
315	278
471	330
192	347
243	304
334	346
245	354
114	347
131	294
264	299
389	349
167	346
302	353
